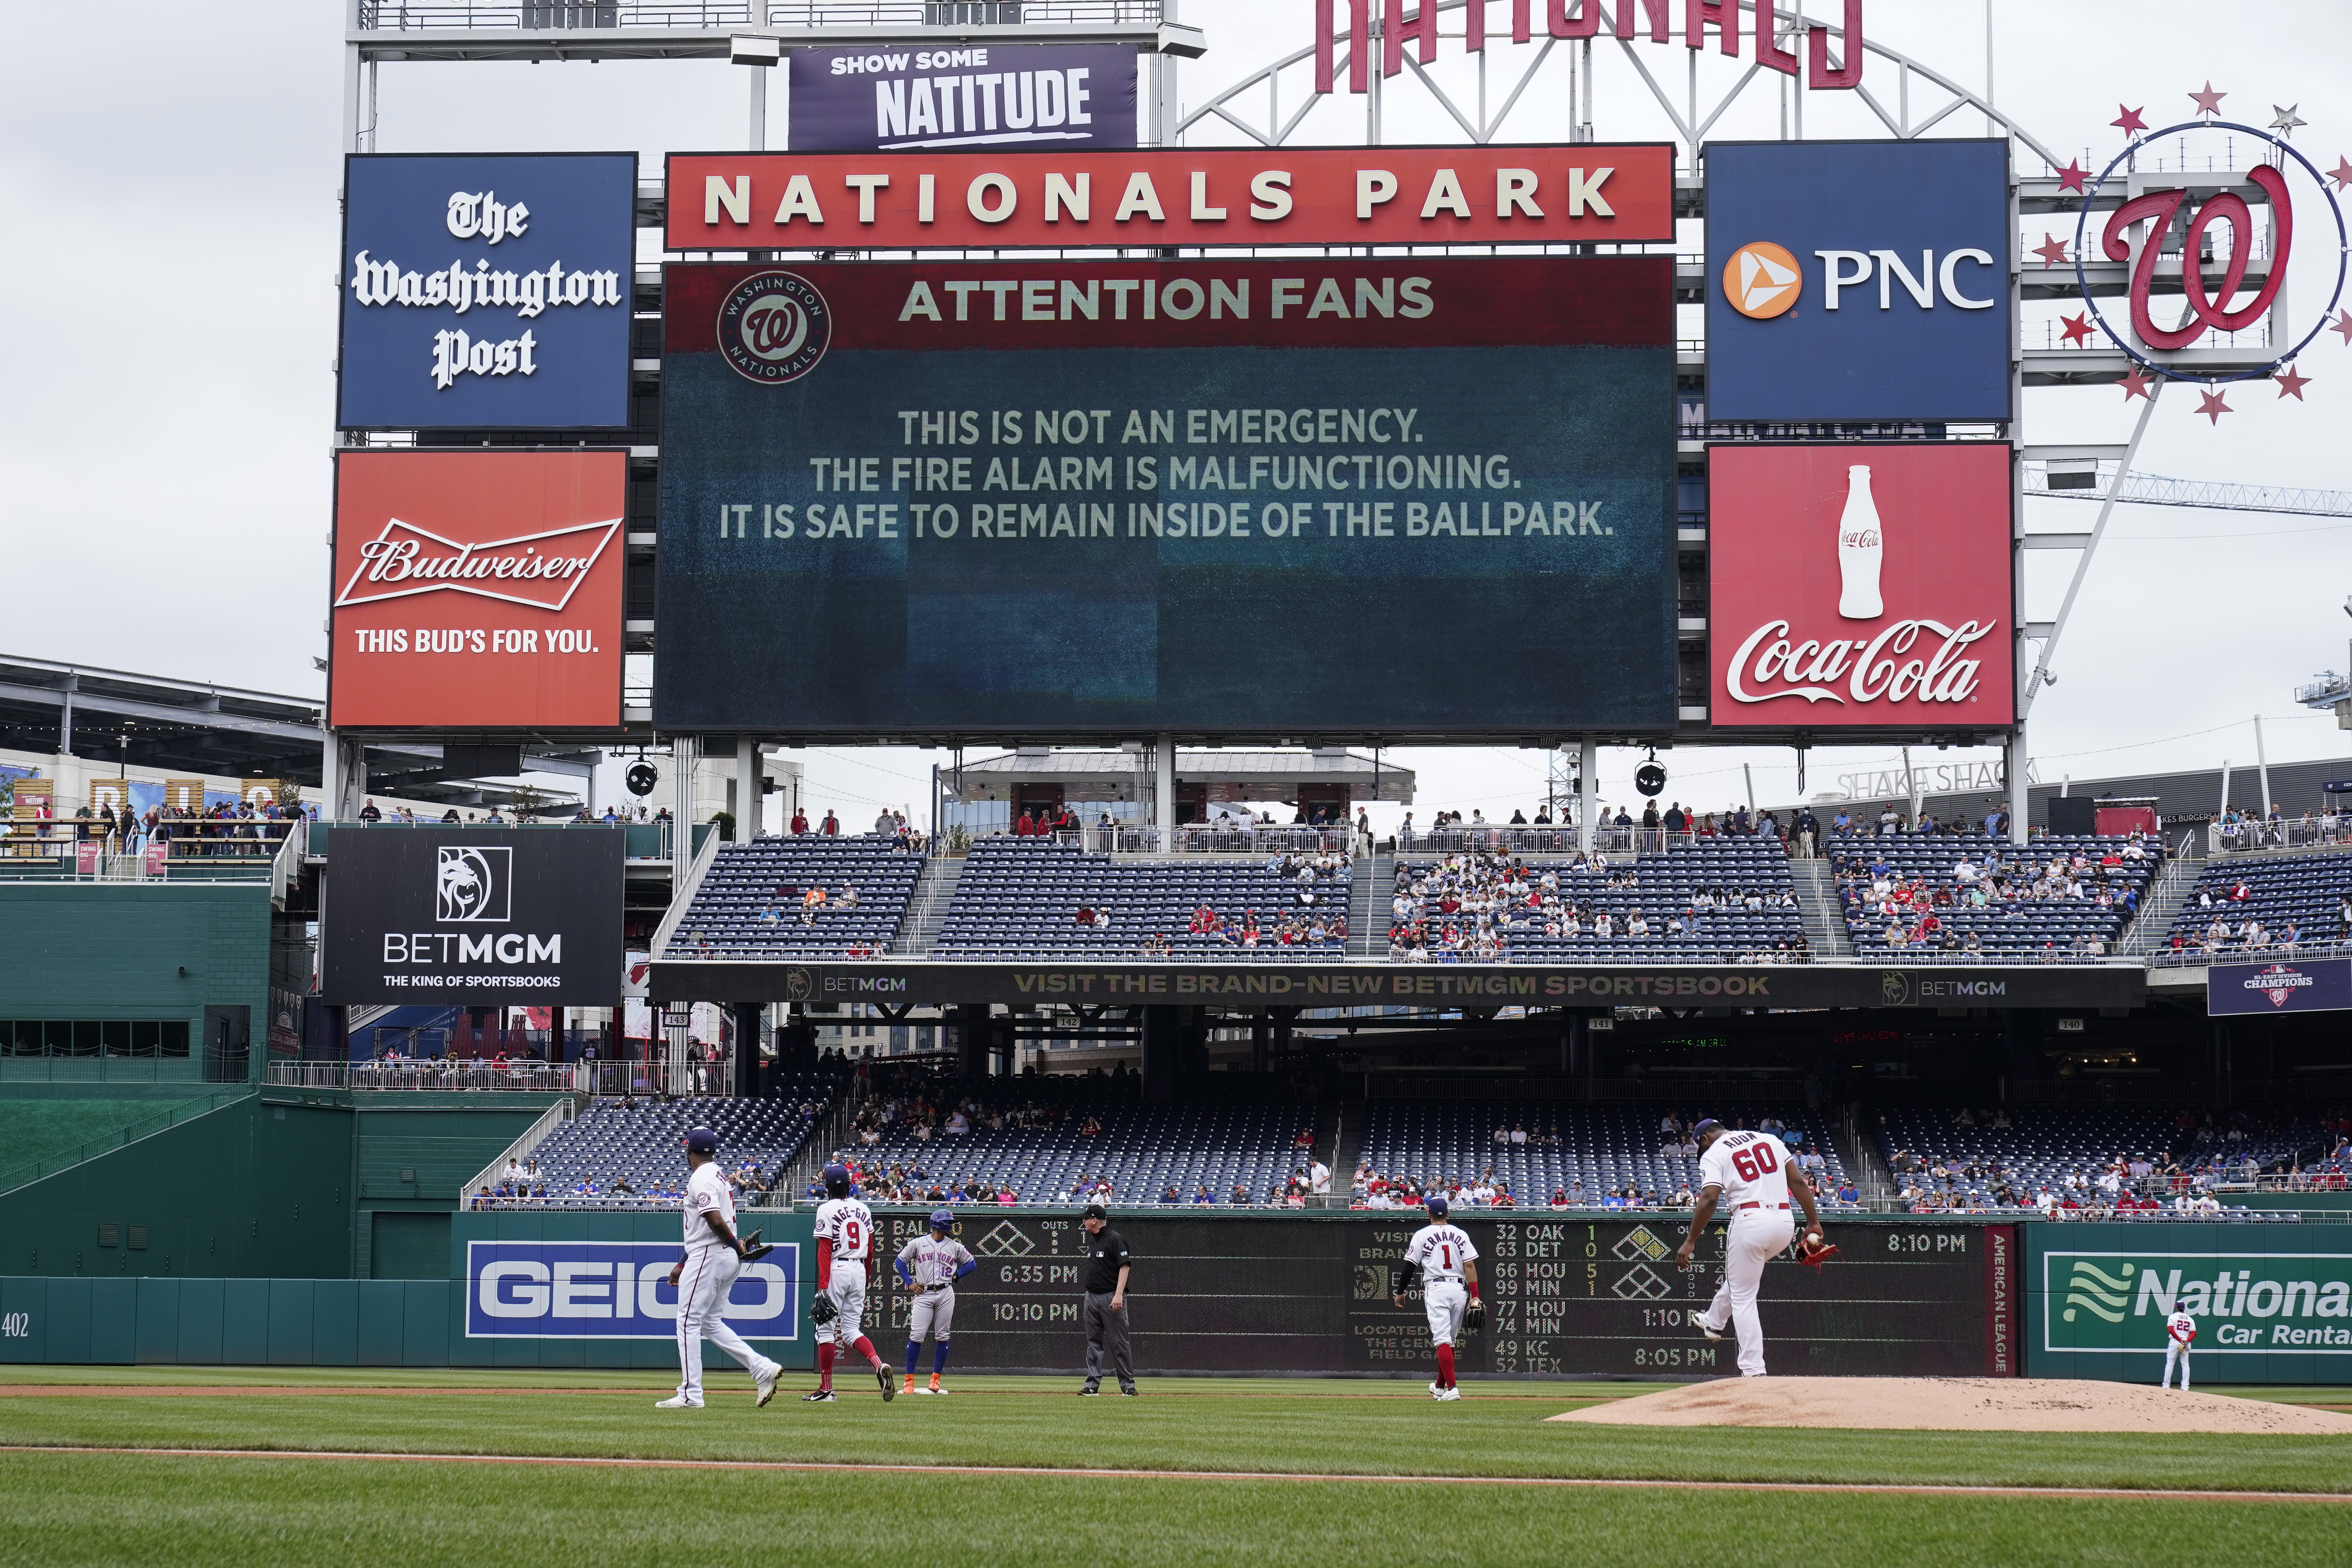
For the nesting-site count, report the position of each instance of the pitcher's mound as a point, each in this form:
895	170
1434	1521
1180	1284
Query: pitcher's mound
1958	1405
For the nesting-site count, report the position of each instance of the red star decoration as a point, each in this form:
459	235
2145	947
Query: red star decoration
2291	384
2209	101
2343	323
2071	177
2136	383
2131	123
2076	332
2341	173
2052	251
2210	403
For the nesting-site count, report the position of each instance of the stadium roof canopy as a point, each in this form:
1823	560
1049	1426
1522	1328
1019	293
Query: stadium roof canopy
200	727
2294	789
1231	776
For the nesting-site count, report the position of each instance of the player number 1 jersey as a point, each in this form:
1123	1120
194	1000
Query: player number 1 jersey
1750	1168
849	1225
1440	1250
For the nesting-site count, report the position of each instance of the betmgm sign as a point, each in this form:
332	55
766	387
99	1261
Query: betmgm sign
473	917
614	1291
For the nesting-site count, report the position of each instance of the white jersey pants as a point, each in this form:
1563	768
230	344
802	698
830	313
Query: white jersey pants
847	1292
702	1287
1445	1301
2174	1351
933	1313
1754	1236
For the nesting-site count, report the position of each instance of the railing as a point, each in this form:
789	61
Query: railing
459	1074
640	840
395	16
146	1127
2247	834
678	16
2197	955
491	1174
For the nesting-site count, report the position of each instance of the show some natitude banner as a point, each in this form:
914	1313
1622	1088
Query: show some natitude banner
1860	585
1571	193
479	590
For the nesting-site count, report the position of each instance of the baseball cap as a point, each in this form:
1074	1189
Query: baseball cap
1705	1125
1437	1205
1095	1211
702	1140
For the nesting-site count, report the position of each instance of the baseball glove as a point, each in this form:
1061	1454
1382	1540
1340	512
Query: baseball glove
1813	1257
1474	1317
755	1249
822	1311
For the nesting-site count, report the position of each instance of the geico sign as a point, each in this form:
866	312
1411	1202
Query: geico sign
589	1289
1893	666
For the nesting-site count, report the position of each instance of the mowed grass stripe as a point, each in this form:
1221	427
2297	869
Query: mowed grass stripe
85	1510
1316	1477
1310	1432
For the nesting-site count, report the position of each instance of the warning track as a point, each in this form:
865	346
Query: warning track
786	1467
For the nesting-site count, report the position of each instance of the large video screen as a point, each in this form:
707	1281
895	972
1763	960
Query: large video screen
1383	495
1570	1296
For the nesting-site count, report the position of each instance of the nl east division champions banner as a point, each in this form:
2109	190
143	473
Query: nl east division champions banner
487	291
1274	496
474	917
2288	986
479	589
1856	584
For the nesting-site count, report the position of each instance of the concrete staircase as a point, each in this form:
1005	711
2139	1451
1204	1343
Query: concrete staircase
926	907
1817	899
1368	926
2153	925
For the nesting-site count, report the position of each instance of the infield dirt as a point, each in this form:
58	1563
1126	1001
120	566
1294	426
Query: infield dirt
1959	1404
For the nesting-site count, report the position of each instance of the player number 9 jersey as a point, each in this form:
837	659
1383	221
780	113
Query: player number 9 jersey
849	1225
1440	1250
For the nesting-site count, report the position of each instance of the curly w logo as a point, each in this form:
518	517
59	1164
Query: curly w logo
2091	1290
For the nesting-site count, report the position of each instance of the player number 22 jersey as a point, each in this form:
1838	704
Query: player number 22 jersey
1440	1250
2181	1327
849	1225
1750	1168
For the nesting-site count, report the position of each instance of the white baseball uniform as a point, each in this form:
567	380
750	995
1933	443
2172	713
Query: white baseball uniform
1441	1251
2178	1330
848	1225
933	1261
1751	1170
703	1281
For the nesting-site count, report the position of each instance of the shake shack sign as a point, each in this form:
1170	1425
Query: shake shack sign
473	916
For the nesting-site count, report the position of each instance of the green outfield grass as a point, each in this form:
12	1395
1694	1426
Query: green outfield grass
117	1509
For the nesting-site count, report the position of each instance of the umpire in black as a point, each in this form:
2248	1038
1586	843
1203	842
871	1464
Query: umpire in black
1106	1307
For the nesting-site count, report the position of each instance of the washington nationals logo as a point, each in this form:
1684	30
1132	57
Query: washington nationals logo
773	327
2216	309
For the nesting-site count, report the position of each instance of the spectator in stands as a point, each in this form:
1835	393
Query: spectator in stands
831	827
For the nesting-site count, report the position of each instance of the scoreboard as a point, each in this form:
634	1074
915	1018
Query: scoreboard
1569	1296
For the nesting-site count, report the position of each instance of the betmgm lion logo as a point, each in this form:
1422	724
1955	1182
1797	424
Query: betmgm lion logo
1895	988
799	985
473	885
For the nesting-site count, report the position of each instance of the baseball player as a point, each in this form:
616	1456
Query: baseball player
1440	1257
845	1246
2178	1330
1752	1176
932	1264
703	1276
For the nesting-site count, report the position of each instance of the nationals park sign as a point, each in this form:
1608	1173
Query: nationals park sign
1447	984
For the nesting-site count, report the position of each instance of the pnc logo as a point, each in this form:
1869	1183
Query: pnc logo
1762	280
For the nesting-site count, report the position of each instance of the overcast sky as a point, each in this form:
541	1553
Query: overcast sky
165	451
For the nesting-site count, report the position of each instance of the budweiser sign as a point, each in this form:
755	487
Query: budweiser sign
1860	586
545	569
477	589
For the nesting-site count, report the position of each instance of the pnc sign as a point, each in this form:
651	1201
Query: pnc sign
1857	280
1860	585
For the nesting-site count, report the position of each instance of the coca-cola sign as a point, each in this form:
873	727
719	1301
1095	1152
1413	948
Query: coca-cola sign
477	590
1860	586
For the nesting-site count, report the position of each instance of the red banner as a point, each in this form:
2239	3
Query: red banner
1860	586
1592	192
477	590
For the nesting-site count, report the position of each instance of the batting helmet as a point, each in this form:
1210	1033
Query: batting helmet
1437	1205
837	1181
943	1219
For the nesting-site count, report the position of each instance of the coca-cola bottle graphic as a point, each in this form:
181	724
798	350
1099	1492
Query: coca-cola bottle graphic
1861	548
